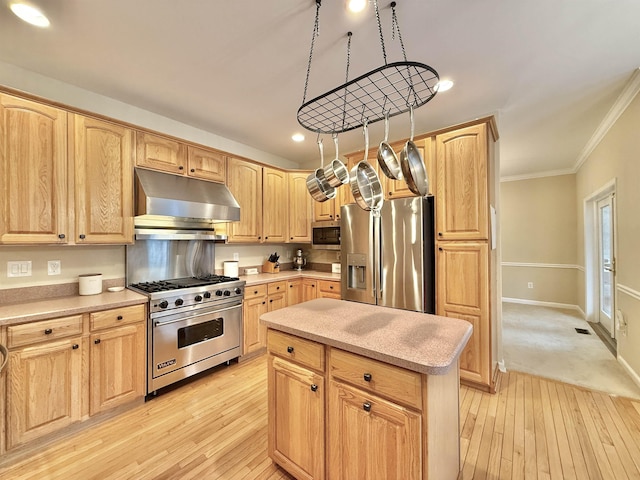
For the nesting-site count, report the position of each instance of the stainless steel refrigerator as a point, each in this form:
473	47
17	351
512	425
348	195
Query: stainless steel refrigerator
388	258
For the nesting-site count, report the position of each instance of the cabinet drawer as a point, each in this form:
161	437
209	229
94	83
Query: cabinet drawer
117	317
299	350
254	291
276	287
330	287
398	384
36	332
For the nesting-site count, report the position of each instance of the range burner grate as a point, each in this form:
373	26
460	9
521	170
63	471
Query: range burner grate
175	284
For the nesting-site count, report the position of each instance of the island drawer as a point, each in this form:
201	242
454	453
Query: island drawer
395	383
36	332
277	287
299	350
117	317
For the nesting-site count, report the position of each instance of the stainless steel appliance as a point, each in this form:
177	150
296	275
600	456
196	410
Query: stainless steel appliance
325	235
299	261
195	316
388	257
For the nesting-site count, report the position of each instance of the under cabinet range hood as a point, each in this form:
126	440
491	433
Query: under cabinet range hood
177	207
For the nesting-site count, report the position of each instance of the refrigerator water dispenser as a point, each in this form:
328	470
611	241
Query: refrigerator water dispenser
357	270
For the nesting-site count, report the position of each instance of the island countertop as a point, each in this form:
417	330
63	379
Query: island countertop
416	341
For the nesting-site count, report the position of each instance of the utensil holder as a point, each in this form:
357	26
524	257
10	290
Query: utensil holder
270	267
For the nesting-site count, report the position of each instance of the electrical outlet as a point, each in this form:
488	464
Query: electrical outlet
54	267
236	256
530	285
19	269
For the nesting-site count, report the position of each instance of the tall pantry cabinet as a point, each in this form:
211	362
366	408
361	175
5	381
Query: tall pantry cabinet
464	258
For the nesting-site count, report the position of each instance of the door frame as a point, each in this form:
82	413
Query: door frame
591	252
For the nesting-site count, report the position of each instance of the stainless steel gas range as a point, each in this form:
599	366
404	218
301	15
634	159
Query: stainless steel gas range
194	324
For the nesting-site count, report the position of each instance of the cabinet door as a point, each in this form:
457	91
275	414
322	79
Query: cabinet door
33	172
118	367
275	206
294	292
254	336
103	181
300	208
309	289
244	179
43	389
324	210
462	292
160	153
462	203
372	438
277	301
207	164
296	419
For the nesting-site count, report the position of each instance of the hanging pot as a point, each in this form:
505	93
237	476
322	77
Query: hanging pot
413	166
365	183
336	173
387	158
317	184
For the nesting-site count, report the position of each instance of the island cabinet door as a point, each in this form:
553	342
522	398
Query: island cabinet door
371	438
296	419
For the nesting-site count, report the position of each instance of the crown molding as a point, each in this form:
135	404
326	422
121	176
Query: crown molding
529	176
627	95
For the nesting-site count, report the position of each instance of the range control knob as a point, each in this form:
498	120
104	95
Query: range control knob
238	291
207	294
163	304
179	302
227	293
198	298
218	293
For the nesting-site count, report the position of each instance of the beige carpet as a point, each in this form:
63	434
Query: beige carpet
543	341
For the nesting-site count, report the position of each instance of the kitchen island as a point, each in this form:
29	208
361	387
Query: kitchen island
361	391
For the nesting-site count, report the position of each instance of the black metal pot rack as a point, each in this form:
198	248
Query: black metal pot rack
389	90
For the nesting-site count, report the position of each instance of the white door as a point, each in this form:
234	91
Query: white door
606	259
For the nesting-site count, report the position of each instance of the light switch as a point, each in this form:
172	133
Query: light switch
19	269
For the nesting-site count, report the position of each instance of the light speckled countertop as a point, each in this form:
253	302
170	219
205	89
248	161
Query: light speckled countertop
287	275
14	313
416	341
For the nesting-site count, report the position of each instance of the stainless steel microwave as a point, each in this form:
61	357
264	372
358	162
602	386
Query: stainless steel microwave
325	235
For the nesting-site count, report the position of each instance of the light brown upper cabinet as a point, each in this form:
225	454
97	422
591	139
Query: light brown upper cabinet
167	155
207	164
244	179
299	207
275	206
160	153
462	201
33	172
102	162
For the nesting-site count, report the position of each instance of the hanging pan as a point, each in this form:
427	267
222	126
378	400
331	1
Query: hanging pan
365	184
387	158
336	173
317	184
413	167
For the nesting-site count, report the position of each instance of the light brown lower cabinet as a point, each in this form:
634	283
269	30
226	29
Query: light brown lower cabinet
55	364
381	421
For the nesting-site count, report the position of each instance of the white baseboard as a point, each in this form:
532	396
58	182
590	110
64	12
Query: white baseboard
501	366
634	376
544	304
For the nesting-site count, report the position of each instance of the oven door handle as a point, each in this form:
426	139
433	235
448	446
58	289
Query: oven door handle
190	317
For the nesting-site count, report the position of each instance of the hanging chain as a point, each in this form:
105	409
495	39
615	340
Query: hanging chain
396	26
384	53
346	80
316	32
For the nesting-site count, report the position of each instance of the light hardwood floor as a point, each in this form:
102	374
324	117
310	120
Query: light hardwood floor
216	428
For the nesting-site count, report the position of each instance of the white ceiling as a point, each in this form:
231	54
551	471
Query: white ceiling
549	69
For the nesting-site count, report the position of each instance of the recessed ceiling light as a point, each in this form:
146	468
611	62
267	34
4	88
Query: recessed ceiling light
356	6
444	85
297	137
29	14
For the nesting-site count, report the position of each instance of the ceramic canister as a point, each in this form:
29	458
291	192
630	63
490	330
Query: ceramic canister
90	283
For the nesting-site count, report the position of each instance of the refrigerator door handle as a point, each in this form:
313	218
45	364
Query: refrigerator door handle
377	266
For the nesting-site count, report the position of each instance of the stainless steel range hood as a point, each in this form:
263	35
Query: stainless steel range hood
169	204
